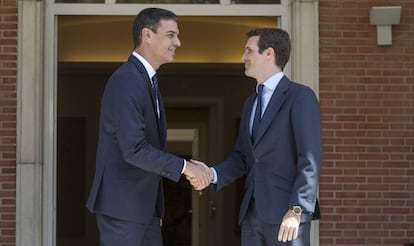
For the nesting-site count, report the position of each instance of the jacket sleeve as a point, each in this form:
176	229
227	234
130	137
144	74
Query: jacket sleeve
308	138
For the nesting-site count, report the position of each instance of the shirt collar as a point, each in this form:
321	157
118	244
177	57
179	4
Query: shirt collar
271	83
150	70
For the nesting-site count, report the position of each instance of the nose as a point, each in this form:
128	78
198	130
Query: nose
243	58
177	42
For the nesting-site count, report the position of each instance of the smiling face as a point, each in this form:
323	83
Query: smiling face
166	41
253	61
160	46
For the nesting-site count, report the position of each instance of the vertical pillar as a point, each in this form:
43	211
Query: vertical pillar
29	117
305	39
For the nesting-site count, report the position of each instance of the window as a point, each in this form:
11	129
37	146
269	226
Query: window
175	1
80	1
169	1
144	1
255	1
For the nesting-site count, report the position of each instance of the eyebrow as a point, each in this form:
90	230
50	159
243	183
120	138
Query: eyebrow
249	48
171	32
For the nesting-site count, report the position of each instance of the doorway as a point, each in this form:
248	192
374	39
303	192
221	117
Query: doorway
189	91
191	102
186	213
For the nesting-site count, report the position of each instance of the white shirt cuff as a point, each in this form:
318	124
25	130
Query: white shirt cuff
184	166
214	181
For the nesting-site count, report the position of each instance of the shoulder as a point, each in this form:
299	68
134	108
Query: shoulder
300	89
129	72
132	67
127	82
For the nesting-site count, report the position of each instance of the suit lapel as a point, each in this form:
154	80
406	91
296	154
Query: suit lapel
247	113
144	73
161	122
275	103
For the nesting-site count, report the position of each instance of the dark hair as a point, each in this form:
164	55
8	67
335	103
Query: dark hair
149	18
275	38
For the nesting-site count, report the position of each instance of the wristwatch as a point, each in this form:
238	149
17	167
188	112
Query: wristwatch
297	210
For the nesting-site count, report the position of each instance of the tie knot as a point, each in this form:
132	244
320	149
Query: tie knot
260	89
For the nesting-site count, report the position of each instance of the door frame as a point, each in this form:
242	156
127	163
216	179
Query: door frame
190	135
37	97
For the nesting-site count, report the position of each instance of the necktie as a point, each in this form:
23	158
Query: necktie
258	113
155	88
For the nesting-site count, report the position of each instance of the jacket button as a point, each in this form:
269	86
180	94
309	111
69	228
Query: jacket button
256	161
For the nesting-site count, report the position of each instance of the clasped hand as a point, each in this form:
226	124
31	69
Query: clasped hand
198	174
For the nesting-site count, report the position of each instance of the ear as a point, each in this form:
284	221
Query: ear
270	53
146	34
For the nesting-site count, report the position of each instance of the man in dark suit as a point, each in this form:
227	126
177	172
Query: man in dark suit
280	151
127	191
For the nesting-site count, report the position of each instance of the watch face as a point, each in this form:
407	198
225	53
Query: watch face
297	210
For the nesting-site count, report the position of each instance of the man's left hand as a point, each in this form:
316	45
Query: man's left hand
288	230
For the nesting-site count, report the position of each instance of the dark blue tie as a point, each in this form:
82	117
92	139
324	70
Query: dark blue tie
160	111
258	113
155	88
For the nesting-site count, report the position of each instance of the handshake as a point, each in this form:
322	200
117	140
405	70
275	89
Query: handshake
198	174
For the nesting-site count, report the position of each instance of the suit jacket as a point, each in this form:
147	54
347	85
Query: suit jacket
130	162
282	166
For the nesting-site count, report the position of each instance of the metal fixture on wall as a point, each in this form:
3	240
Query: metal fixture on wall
384	17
